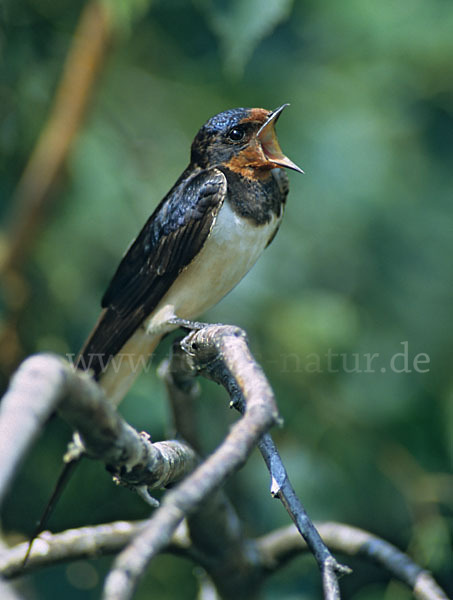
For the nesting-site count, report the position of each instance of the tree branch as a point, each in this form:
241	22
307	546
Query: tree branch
278	547
272	551
129	455
44	383
72	544
33	394
216	532
214	345
281	486
8	593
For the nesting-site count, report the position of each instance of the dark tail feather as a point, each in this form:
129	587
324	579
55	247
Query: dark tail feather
63	479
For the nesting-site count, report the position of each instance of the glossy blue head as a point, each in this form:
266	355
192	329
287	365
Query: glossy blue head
241	139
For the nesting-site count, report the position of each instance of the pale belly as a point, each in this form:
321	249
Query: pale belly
229	253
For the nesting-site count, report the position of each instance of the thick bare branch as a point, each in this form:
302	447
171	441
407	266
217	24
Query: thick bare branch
281	486
130	455
224	346
44	383
7	592
33	394
216	531
182	390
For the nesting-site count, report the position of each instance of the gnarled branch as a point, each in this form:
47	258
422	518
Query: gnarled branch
45	383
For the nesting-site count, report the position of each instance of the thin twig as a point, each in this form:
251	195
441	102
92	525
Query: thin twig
282	488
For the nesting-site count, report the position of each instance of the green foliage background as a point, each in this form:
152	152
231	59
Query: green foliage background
362	263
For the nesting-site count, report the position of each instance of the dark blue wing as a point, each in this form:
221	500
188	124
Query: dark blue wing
169	241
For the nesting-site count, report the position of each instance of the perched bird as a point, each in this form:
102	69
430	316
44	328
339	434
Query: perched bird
201	240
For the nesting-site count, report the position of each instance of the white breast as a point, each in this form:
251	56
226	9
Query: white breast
231	250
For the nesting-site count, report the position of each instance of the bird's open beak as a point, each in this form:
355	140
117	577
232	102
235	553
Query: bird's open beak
269	143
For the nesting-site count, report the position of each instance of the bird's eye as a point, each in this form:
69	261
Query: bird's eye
236	134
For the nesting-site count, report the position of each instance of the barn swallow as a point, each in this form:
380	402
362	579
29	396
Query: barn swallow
203	237
201	240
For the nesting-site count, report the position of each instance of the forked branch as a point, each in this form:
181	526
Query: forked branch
45	383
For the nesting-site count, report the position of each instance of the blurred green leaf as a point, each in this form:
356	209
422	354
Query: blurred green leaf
241	27
311	325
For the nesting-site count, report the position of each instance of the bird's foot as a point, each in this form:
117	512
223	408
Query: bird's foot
187	324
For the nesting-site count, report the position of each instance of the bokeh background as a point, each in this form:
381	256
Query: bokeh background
362	264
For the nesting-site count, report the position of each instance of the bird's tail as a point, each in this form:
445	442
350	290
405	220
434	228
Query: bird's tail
62	480
116	352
